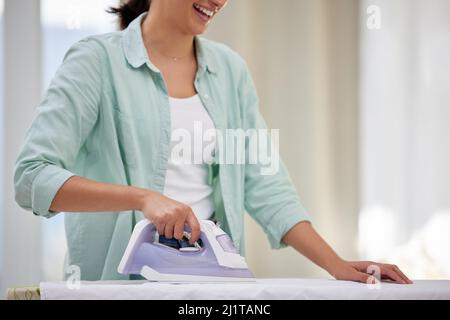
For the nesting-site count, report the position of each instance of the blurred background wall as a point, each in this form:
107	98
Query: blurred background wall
362	108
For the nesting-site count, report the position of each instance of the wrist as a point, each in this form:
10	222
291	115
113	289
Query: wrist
140	197
334	265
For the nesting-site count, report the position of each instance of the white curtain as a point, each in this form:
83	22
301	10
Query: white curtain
405	136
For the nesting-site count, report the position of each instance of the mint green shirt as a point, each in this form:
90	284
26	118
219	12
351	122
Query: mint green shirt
106	117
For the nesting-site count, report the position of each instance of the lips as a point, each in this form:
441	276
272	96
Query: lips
203	12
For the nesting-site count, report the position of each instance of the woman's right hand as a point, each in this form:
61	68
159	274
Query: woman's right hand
170	216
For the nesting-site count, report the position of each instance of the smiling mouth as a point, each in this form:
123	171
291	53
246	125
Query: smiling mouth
205	13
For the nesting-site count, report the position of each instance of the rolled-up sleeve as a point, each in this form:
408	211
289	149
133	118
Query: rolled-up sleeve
271	199
64	119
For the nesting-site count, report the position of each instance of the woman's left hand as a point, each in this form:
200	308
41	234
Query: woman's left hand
368	271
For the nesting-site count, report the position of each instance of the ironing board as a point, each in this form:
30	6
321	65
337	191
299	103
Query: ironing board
276	289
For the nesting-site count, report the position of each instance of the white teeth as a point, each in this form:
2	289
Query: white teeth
204	10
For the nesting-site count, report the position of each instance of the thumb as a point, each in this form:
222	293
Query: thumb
363	277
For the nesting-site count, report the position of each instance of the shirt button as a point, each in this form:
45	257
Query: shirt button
206	96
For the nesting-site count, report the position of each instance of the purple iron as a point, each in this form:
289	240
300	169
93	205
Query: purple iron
216	260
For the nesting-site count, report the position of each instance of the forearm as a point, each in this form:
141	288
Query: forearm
309	243
82	195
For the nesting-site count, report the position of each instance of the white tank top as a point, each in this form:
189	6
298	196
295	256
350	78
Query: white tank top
192	145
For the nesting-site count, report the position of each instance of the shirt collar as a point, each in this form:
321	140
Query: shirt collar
136	53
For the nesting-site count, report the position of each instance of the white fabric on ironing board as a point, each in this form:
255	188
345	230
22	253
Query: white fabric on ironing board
271	289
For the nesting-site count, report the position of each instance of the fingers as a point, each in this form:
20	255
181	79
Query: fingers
170	216
179	229
362	277
168	230
385	271
389	272
159	227
404	277
366	278
175	228
395	271
193	223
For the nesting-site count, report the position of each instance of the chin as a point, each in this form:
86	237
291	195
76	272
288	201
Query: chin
197	29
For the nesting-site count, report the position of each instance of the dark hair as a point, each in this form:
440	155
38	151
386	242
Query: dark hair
129	11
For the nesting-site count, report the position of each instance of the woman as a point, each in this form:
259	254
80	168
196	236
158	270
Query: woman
100	145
